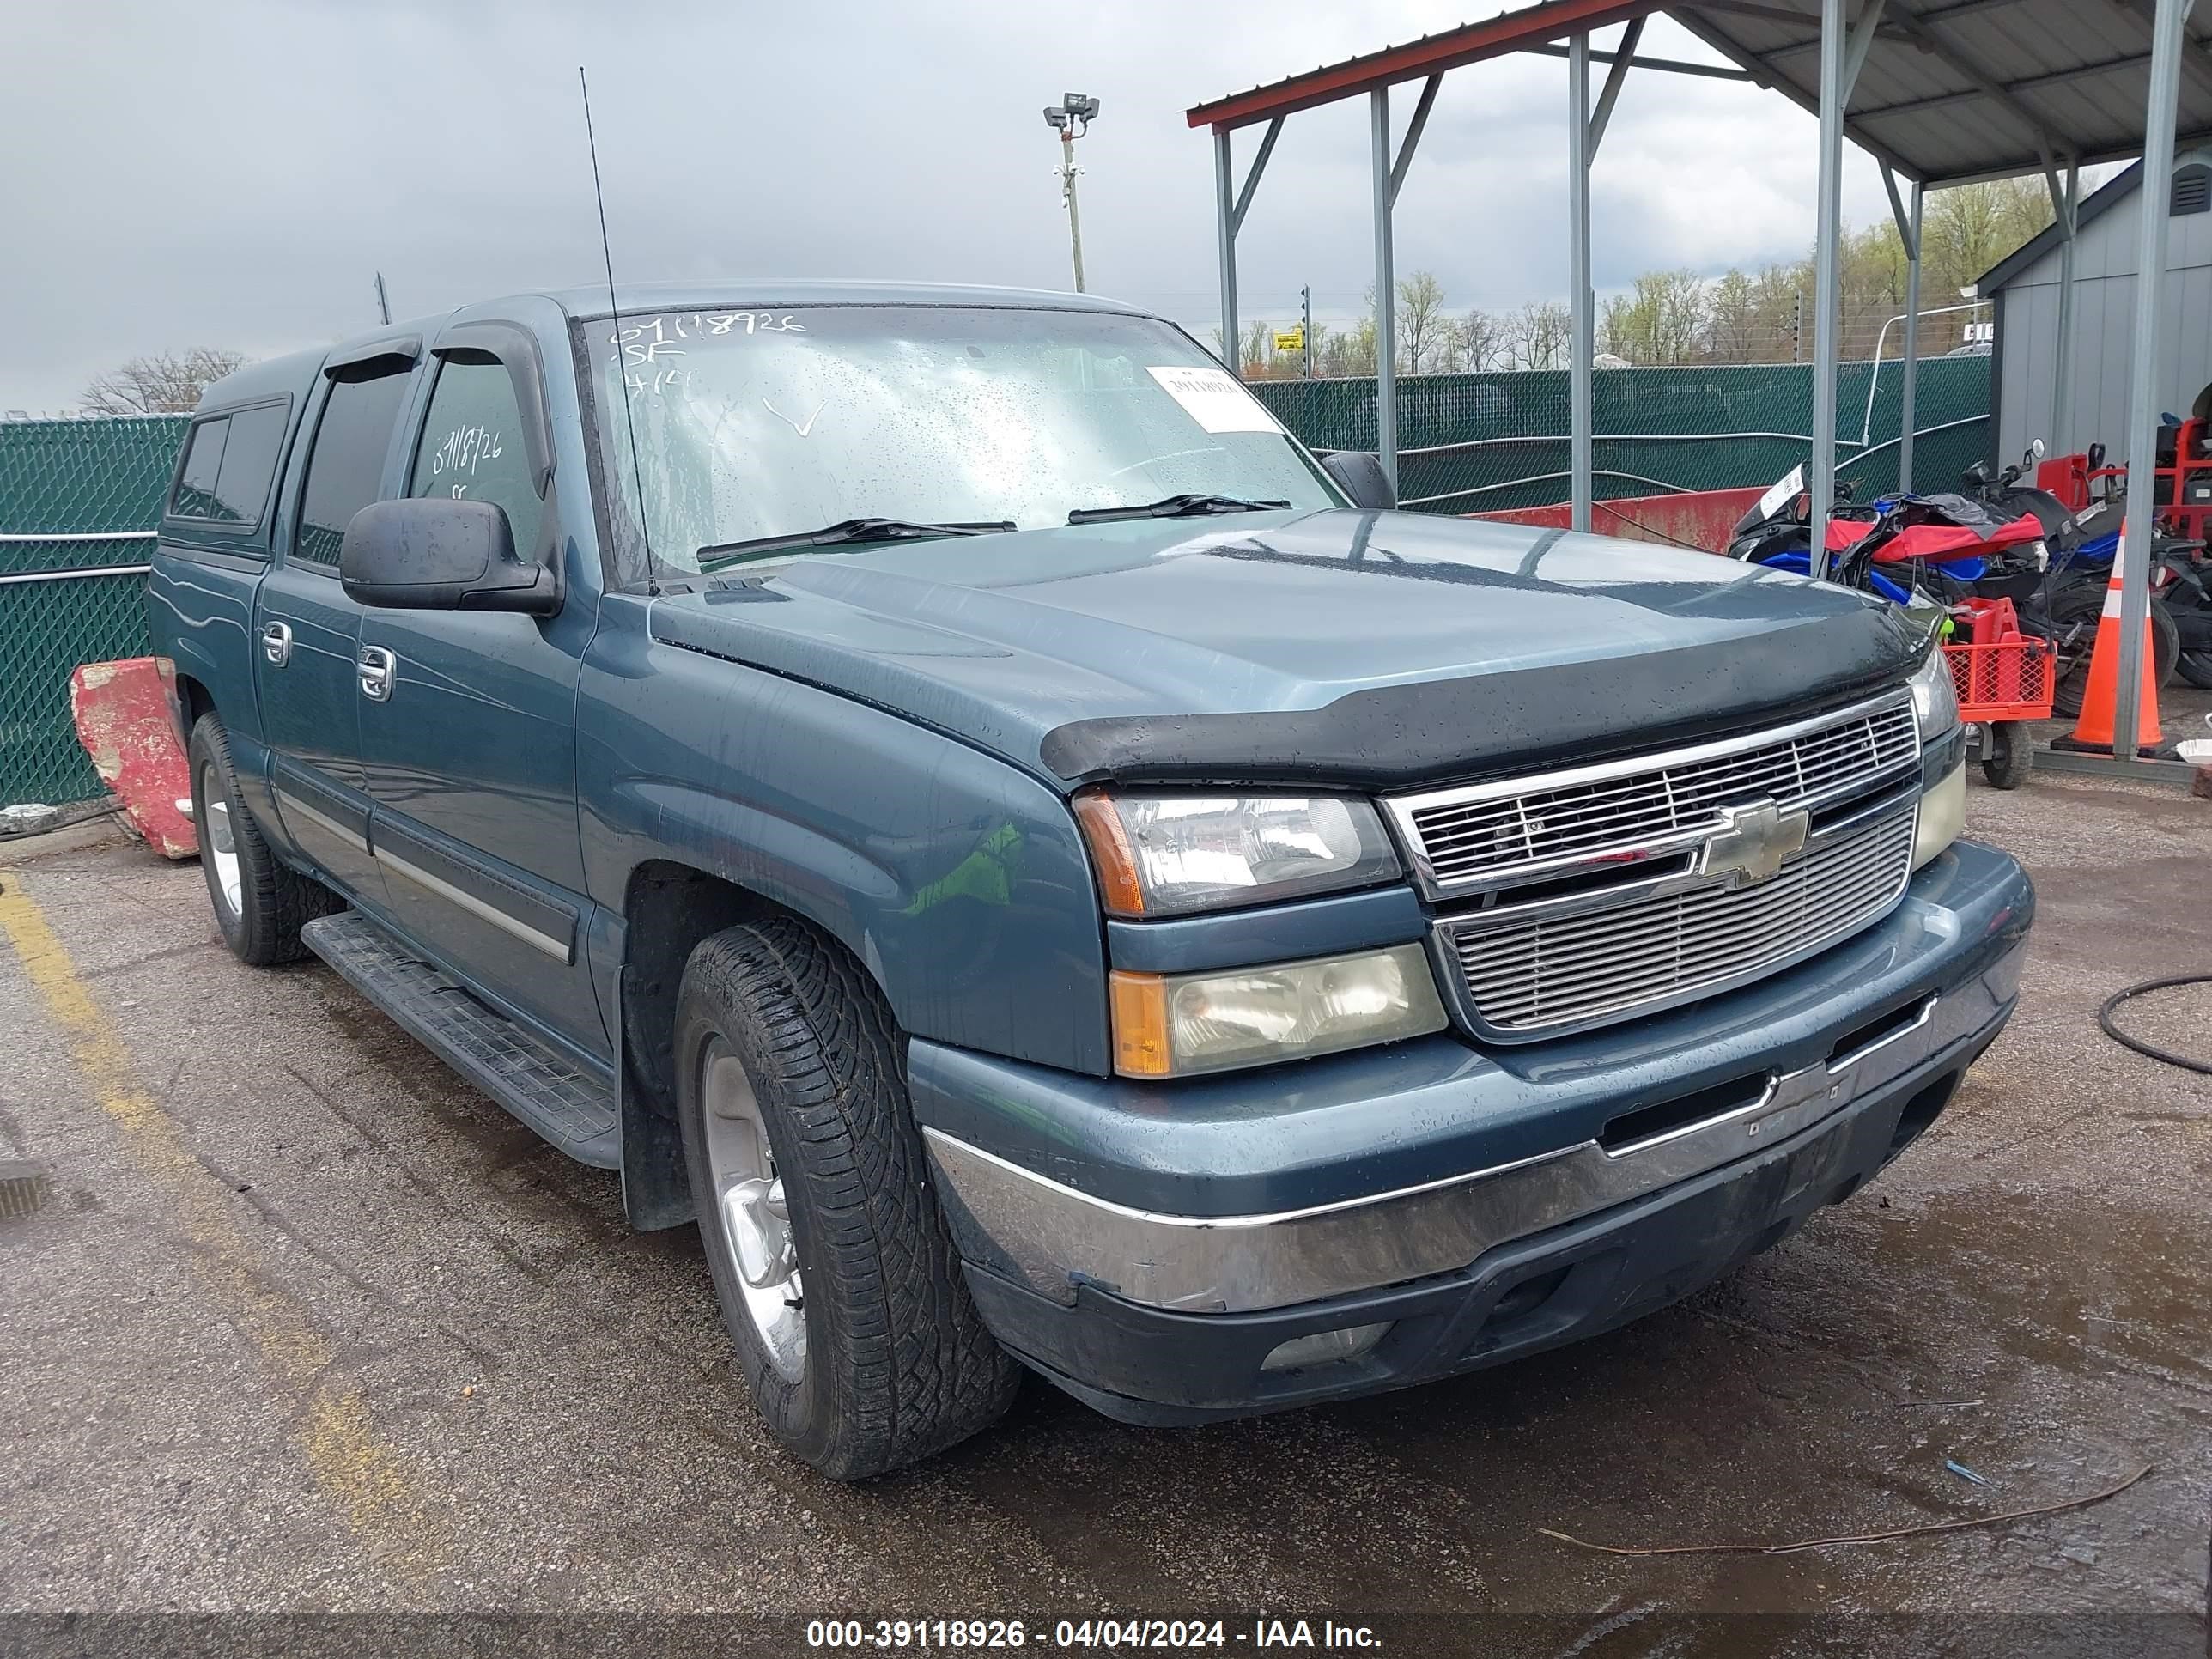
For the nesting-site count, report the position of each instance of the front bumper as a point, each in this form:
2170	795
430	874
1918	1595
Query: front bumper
1771	1102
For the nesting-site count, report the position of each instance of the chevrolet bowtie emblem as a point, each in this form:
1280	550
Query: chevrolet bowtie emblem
1753	846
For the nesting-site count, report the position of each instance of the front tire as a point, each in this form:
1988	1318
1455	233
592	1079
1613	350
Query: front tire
837	1275
260	903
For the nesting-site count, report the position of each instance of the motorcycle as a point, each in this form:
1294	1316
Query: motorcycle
1948	546
1996	540
2070	600
1968	560
2181	582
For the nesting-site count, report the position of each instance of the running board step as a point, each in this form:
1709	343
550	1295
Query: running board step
561	1101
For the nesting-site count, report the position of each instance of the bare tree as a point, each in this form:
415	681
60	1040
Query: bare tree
1422	324
167	383
1259	354
1347	352
1661	321
1483	342
1538	334
1734	328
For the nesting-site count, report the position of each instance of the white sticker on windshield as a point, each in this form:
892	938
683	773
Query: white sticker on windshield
1774	500
1215	399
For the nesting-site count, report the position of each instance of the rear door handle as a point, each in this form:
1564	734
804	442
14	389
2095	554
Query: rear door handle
277	643
378	667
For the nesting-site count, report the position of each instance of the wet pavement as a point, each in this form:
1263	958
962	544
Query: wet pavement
306	1324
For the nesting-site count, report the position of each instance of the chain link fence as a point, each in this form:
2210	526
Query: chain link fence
1479	443
78	502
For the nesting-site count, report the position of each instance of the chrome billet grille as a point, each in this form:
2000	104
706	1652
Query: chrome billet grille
1493	835
1551	967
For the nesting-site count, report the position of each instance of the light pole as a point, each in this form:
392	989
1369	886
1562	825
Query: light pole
1071	118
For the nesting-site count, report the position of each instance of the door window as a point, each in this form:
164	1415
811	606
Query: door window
472	448
345	469
249	463
195	493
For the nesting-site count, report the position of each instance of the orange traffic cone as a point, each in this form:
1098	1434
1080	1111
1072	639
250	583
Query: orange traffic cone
2093	732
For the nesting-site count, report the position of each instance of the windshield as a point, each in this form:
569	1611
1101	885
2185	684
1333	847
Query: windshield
753	423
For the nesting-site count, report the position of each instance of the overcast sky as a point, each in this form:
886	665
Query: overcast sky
230	173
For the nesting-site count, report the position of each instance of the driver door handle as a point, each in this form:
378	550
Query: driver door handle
277	643
377	668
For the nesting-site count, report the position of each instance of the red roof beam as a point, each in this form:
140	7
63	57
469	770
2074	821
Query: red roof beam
1432	54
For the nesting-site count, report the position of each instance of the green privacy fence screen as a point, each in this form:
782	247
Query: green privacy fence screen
75	496
1476	443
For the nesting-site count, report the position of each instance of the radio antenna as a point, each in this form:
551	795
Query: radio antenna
614	322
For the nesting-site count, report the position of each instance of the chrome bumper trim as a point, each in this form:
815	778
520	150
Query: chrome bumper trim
1055	1237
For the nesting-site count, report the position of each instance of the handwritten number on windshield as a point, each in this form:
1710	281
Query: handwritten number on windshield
656	338
647	347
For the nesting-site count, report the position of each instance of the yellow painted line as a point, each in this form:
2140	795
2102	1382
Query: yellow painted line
369	1480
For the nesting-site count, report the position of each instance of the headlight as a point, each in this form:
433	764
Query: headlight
1934	699
1164	855
1942	816
1171	1026
1943	803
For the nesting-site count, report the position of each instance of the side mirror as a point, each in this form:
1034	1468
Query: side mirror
2096	457
2035	451
1361	476
434	553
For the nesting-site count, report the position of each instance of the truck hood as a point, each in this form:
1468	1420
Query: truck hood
1361	648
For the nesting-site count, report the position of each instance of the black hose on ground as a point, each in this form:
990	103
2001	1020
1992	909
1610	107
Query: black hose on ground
2112	1030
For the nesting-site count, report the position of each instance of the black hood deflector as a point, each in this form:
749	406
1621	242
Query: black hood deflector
1457	729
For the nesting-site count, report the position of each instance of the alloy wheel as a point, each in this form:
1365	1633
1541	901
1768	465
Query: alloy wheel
750	1209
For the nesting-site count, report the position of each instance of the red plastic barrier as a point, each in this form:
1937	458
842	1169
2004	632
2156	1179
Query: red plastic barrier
1704	518
122	713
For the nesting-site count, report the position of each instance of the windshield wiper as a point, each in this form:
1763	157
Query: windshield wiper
1174	507
844	532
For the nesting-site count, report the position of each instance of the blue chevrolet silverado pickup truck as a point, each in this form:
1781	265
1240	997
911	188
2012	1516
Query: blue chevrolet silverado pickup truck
936	786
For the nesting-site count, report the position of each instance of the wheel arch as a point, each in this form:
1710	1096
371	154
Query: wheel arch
668	906
189	701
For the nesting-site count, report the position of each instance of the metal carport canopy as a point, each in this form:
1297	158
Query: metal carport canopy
1946	93
1953	94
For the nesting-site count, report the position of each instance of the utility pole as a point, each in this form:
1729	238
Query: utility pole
1305	325
1072	117
383	305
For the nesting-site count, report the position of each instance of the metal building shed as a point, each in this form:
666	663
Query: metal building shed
2025	286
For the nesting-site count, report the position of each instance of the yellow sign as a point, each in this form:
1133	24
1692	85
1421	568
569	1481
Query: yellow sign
1293	341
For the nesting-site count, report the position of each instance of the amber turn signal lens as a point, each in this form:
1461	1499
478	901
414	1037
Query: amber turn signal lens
1111	856
1139	1004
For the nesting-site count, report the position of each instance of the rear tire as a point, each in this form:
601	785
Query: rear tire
837	1275
260	903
